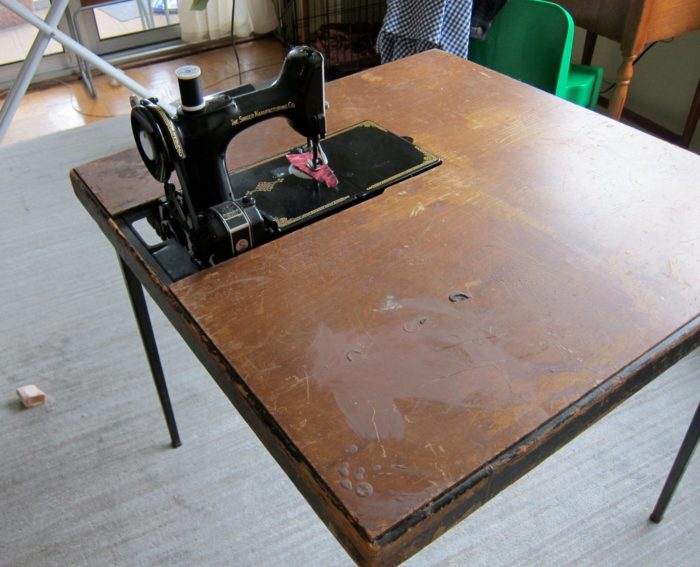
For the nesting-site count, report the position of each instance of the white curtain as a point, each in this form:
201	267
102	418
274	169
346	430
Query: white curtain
214	22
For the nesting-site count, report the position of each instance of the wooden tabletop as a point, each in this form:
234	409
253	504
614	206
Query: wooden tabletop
415	354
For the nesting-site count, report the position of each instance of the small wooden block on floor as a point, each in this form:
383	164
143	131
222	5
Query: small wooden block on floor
31	396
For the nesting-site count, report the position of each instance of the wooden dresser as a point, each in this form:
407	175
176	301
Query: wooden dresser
635	24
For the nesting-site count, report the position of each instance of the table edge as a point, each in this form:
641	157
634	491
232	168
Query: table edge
517	460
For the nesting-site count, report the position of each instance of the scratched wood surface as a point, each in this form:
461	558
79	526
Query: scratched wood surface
575	265
400	347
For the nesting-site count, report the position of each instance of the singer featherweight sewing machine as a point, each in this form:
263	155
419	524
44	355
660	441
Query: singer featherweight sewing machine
406	358
213	214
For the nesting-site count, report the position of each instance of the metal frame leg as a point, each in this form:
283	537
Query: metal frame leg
29	67
138	303
83	65
146	14
678	468
75	47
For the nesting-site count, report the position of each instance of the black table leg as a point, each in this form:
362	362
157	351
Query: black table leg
678	468
138	303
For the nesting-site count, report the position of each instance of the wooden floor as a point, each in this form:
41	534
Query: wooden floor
65	104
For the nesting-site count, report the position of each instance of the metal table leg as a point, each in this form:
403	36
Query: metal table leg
138	303
678	468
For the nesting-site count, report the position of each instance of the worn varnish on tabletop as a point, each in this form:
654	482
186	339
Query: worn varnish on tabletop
413	350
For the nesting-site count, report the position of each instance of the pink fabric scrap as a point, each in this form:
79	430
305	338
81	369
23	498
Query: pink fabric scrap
322	173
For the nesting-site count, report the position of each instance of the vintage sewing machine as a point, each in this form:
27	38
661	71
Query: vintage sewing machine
214	214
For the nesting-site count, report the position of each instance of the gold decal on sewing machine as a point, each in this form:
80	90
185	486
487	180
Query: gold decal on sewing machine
260	113
171	130
266	186
283	222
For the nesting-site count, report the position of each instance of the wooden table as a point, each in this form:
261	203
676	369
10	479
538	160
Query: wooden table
634	24
395	407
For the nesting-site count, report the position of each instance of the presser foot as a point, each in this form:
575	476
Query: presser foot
313	165
315	159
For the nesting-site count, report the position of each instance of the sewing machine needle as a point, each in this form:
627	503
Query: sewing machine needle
315	158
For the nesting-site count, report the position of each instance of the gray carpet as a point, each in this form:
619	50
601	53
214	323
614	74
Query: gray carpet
88	479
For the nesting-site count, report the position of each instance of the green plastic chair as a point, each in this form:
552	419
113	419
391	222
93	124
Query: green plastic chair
531	40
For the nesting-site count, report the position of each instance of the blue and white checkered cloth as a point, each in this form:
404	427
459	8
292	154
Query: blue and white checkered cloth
412	26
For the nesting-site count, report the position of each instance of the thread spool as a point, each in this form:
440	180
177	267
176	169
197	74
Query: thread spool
190	87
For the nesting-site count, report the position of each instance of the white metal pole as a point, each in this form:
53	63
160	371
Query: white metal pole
72	45
31	62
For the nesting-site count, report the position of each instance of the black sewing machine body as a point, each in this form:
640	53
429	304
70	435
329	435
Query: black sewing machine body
215	214
193	143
